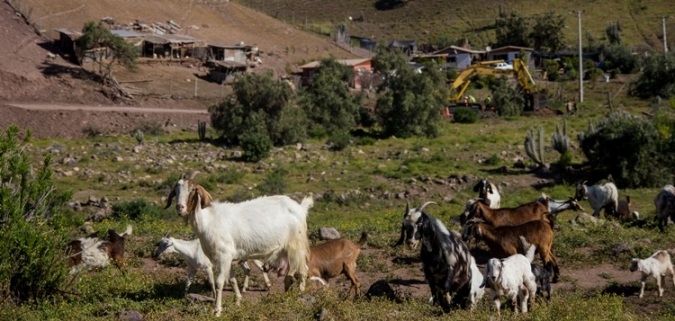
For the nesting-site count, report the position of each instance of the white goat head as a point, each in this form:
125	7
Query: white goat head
493	273
634	264
164	246
184	191
410	227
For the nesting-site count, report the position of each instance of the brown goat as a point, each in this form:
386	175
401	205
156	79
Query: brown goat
505	241
93	251
532	211
336	257
623	211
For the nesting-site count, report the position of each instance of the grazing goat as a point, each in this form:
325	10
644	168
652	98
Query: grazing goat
665	206
446	260
92	251
605	196
196	260
511	277
541	275
524	213
623	211
505	241
557	206
336	257
271	228
657	265
488	192
477	291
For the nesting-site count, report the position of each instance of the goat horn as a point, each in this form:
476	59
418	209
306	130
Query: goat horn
425	204
193	174
182	176
170	199
407	207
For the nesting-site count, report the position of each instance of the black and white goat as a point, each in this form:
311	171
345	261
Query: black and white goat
488	192
557	206
92	251
446	260
665	206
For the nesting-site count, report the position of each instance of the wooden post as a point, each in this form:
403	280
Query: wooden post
195	95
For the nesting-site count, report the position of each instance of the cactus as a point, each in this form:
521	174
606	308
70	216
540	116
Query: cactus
138	134
534	146
560	140
201	129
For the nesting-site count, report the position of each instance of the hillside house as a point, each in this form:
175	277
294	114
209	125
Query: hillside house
407	47
66	40
508	53
362	42
362	72
459	57
173	46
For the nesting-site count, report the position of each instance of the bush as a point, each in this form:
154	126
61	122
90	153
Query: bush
508	101
138	209
32	265
657	78
465	115
256	146
339	140
274	183
628	148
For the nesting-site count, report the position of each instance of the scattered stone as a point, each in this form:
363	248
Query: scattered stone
618	249
130	316
194	297
97	217
323	315
329	233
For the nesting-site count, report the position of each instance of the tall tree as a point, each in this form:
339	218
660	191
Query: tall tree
547	32
327	100
95	36
511	29
410	103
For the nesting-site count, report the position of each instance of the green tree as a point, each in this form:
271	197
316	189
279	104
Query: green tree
618	57
96	35
32	265
327	100
508	100
511	29
657	78
547	32
268	100
410	103
613	32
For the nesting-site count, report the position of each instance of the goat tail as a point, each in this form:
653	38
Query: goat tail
127	231
297	249
307	202
364	238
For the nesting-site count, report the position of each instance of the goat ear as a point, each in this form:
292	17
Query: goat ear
477	187
489	188
205	196
402	238
170	199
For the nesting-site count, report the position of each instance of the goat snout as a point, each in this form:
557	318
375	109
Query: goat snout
412	244
180	208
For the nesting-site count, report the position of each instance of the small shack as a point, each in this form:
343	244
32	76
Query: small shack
66	41
363	72
236	53
362	42
173	46
459	57
407	47
508	53
224	71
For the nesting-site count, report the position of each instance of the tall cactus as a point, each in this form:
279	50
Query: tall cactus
560	140
201	129
534	146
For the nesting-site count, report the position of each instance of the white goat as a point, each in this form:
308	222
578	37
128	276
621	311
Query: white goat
605	196
92	251
477	291
272	228
657	265
511	277
488	192
196	260
665	205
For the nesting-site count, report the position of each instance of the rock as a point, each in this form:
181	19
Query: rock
584	219
382	288
138	148
93	201
97	217
194	297
328	233
618	249
130	316
86	228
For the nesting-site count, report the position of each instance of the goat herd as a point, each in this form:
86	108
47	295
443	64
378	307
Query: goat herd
271	231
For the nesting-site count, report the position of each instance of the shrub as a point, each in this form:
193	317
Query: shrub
339	140
256	146
31	266
274	183
509	102
465	115
138	209
628	148
657	78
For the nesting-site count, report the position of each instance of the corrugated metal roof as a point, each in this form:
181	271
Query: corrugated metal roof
156	40
69	32
125	33
511	48
217	45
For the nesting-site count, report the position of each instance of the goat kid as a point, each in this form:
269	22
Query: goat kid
511	277
272	229
658	265
92	251
488	192
604	196
196	260
336	257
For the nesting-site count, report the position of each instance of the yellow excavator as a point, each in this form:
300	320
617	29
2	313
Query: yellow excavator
519	71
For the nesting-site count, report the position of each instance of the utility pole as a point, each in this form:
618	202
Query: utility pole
581	62
665	42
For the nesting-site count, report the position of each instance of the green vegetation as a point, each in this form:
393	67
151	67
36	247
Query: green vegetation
96	36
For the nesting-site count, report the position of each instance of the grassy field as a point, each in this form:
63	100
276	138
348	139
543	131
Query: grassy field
357	189
387	20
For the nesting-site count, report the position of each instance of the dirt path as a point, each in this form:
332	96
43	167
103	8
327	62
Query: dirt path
52	107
